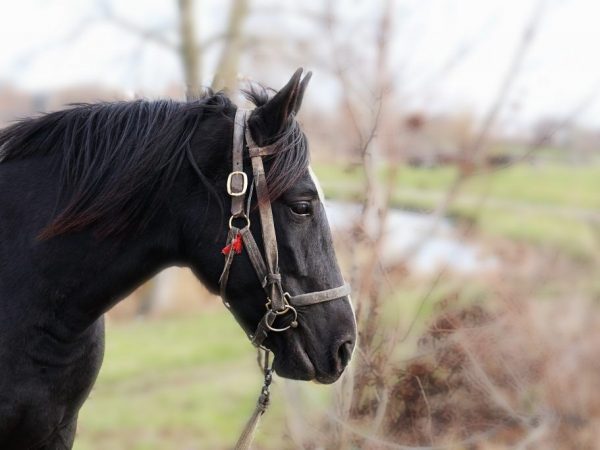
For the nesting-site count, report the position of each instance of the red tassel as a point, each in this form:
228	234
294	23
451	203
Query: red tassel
236	244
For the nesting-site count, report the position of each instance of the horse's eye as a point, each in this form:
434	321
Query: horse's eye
301	208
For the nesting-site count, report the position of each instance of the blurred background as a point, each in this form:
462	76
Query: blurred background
457	143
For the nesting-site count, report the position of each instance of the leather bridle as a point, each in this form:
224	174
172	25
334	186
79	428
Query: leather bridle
279	302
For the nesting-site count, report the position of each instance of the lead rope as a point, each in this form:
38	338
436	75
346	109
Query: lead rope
247	436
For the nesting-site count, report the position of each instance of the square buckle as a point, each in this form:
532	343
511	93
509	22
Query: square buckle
230	190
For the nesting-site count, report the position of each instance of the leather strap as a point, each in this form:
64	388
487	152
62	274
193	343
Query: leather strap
321	296
224	278
263	328
262	151
274	291
255	256
237	182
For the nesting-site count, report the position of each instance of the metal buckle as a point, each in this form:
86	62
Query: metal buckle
286	297
244	183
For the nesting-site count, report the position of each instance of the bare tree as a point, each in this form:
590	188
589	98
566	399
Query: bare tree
189	51
226	71
378	133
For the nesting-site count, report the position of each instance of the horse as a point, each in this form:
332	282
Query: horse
97	198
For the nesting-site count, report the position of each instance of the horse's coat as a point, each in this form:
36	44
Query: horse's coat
96	199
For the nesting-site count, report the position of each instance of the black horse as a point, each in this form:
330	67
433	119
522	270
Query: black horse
96	199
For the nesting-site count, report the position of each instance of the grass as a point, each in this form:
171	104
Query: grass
549	185
192	382
550	205
176	383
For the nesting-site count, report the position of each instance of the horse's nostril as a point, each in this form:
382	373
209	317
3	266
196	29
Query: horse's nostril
345	352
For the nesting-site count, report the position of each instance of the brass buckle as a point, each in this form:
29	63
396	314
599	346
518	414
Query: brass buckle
244	183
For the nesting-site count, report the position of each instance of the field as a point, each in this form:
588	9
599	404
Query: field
179	383
549	205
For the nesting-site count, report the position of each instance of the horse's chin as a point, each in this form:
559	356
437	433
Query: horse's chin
294	363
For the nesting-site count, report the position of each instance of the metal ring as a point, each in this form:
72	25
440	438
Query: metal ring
294	322
243	216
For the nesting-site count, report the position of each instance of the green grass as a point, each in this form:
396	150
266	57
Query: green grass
549	205
174	384
551	185
192	382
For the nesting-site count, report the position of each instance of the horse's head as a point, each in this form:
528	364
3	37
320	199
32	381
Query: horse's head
320	330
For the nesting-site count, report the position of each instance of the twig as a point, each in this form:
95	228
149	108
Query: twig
422	303
429	419
155	35
514	69
384	398
392	445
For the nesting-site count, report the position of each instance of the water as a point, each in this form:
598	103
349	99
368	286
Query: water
404	235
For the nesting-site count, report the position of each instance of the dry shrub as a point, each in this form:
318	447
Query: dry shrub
518	375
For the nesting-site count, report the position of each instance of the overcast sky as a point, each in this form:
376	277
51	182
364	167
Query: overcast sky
56	43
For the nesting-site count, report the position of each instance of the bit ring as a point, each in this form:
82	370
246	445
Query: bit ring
285	310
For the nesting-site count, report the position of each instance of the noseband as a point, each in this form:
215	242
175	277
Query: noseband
278	301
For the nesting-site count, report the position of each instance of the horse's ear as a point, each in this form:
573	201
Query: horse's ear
268	121
301	90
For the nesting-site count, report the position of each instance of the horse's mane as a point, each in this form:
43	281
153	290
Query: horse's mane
119	159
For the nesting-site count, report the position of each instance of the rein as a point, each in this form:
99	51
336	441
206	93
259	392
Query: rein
279	303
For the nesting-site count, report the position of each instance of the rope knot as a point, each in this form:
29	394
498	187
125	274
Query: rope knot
271	278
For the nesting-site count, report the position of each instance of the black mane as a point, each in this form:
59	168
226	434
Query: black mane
119	159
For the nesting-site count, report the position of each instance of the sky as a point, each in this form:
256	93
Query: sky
54	44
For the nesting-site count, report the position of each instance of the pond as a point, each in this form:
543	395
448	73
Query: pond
428	246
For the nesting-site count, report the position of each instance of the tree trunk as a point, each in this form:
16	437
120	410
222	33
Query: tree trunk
226	73
190	56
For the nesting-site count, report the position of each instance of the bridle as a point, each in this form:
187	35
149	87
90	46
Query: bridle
278	301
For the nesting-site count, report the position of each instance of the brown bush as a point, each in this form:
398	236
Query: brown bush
522	376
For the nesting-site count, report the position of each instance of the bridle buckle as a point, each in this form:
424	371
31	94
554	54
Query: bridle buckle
230	190
286	297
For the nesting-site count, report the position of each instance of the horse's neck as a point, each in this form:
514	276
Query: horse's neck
75	278
109	273
72	279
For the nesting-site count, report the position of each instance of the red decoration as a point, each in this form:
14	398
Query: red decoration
236	245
